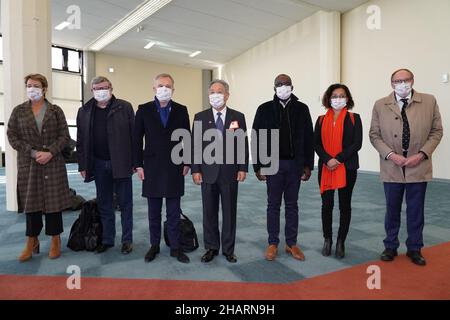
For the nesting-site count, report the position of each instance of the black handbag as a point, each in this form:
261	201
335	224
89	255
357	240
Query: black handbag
188	235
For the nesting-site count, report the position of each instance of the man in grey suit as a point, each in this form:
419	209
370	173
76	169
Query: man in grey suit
218	176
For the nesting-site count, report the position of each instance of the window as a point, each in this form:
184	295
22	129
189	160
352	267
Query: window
57	58
64	59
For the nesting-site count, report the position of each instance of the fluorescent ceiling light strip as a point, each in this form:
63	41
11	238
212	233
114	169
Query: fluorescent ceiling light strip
149	45
141	13
196	53
62	25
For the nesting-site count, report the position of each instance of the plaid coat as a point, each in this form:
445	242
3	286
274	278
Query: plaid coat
40	188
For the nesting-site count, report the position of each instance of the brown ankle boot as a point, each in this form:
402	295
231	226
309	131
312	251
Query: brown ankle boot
32	246
55	248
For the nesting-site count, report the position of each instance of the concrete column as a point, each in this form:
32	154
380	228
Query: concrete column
88	74
26	29
330	49
206	80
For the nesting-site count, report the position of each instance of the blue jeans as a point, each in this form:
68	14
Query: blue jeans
106	185
415	203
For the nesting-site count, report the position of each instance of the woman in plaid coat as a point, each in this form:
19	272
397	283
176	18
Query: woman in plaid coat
38	131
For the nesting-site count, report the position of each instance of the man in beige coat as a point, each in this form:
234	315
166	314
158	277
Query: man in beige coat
406	128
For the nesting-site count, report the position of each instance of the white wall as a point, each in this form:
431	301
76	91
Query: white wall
414	34
294	51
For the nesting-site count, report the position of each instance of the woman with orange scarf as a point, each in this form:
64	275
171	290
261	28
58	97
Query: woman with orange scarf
337	140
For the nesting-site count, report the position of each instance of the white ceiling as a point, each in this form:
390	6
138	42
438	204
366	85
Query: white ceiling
221	29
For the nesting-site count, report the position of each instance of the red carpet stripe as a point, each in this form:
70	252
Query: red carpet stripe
399	280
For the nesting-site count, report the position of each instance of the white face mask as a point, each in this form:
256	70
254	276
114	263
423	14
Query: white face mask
284	92
102	95
403	89
163	93
338	103
217	100
34	94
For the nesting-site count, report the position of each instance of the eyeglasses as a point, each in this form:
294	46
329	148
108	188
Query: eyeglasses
101	88
399	81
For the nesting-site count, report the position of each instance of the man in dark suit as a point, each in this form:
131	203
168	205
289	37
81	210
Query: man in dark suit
219	176
162	178
291	118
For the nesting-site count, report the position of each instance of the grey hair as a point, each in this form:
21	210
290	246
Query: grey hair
164	75
100	79
222	82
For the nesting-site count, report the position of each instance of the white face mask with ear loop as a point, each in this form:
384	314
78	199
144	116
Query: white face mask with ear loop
217	100
163	93
284	92
35	94
338	103
403	89
102	95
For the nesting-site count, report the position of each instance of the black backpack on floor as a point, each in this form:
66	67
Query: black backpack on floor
86	231
188	235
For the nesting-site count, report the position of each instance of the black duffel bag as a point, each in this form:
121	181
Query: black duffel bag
188	235
86	231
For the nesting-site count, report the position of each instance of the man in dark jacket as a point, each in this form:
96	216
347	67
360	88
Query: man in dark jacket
219	176
104	147
291	118
161	176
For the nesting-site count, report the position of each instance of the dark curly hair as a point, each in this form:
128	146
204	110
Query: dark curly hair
326	100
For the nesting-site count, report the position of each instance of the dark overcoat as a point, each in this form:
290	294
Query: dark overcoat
163	178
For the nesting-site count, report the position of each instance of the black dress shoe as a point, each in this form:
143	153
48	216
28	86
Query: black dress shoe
127	248
416	258
102	248
230	258
151	254
388	254
340	249
326	250
209	255
179	255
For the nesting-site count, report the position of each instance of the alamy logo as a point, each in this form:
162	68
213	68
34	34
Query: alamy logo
232	143
74	280
374	280
374	20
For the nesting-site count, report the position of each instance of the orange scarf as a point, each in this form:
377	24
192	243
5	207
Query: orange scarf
332	143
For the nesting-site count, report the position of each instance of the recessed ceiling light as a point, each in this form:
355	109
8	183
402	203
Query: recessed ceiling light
132	20
62	25
149	45
196	53
111	70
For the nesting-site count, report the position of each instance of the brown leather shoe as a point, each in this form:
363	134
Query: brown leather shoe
55	248
32	246
271	252
296	252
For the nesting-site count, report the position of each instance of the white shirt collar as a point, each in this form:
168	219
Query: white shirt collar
223	112
399	99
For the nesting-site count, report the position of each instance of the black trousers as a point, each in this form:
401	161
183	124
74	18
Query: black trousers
53	224
345	207
211	196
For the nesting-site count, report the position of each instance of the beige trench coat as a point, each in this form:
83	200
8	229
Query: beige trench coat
425	134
